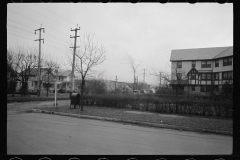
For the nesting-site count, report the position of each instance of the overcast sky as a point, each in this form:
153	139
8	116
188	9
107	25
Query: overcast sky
146	31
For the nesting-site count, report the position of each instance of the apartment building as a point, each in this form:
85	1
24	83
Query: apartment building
201	70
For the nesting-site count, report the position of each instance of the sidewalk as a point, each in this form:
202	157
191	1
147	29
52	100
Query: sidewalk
144	118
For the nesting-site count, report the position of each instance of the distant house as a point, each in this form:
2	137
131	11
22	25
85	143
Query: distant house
62	78
33	80
112	85
201	70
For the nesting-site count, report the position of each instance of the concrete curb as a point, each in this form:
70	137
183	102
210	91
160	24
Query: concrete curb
181	128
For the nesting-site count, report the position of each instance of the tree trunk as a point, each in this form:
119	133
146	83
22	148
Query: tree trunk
81	96
48	84
14	86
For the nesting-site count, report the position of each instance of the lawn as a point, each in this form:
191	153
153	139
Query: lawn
193	123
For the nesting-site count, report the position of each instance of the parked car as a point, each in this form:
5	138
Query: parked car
136	92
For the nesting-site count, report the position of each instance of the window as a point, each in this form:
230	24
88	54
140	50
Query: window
193	88
179	64
216	76
193	63
193	76
209	76
206	64
216	63
179	76
208	88
202	89
203	76
226	75
206	76
227	61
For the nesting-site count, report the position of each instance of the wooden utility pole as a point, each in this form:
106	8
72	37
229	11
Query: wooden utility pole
39	58
74	53
144	75
116	82
160	76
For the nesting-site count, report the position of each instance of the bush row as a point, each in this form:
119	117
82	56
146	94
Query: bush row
173	105
29	99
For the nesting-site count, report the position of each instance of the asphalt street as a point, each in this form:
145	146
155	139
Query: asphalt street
37	133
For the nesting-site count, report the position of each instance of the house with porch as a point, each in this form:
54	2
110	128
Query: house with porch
201	70
33	80
62	78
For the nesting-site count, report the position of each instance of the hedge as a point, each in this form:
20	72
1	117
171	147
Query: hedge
170	105
173	105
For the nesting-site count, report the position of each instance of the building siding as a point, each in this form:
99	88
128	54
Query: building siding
187	66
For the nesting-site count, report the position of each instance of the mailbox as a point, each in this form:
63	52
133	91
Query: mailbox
75	99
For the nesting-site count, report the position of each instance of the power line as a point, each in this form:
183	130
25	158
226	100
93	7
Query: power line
45	16
32	28
31	34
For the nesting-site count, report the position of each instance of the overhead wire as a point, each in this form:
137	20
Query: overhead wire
116	56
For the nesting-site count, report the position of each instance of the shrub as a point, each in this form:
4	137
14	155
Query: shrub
171	105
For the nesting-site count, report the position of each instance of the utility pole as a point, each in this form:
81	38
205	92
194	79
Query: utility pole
74	52
116	82
160	76
144	75
39	58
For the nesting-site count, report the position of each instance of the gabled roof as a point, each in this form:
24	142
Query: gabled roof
64	73
227	52
200	53
193	70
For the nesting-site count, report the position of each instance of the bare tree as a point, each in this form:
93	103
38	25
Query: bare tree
134	67
51	66
89	55
28	61
161	76
22	61
13	62
177	76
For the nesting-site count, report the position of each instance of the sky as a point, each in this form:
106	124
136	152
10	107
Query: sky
145	31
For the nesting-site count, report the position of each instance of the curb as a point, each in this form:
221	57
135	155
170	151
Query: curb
181	128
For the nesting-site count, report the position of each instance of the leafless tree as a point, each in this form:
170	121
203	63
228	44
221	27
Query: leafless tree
89	55
13	62
177	76
134	65
161	76
24	60
51	66
28	61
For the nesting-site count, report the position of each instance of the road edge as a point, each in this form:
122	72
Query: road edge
180	128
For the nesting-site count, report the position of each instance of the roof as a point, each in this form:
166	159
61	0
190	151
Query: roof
201	53
34	71
64	73
179	82
227	52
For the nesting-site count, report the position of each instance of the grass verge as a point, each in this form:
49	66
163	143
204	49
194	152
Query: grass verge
180	122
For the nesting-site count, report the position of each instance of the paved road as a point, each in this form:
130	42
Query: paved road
36	133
